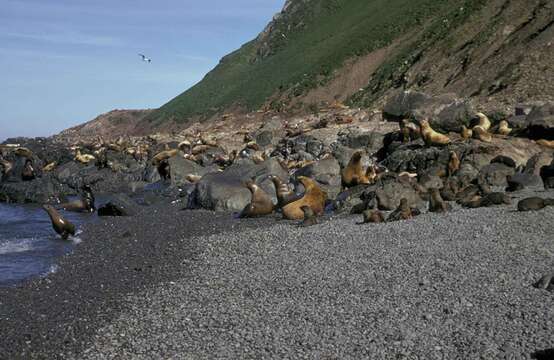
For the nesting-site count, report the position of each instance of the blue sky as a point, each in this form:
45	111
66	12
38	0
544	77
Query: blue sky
63	62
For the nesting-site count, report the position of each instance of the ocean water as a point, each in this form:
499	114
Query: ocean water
29	247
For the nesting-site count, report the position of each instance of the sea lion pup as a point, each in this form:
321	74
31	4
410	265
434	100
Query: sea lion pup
534	203
466	133
51	166
193	178
314	197
431	137
84	204
28	172
548	144
284	194
403	212
409	130
436	203
453	164
62	226
481	134
504	128
24	152
164	155
309	216
484	122
164	169
260	204
83	158
353	174
373	216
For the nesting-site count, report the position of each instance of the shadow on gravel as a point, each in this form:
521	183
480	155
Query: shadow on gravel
547	354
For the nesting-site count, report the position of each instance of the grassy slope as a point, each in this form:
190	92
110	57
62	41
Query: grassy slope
334	31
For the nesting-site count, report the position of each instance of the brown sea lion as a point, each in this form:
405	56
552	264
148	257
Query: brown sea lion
314	197
284	194
466	133
410	131
28	172
403	211
309	216
490	199
164	169
84	204
436	203
453	164
62	226
534	203
353	174
431	137
373	216
260	204
481	134
504	128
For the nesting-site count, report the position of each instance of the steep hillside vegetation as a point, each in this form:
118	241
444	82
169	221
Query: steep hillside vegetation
305	44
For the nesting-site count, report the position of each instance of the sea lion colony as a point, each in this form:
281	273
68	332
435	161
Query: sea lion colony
305	195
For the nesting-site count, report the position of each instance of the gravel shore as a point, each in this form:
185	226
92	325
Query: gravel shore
451	286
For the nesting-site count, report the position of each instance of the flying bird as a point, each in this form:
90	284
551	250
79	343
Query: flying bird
144	58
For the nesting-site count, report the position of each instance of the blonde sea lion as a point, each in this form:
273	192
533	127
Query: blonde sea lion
193	178
453	164
6	166
373	216
24	152
62	226
284	194
466	133
163	155
547	143
83	158
51	166
431	137
481	134
484	121
353	174
504	128
314	197
260	204
28	172
309	216
436	203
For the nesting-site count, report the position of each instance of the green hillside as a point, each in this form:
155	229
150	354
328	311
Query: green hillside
307	43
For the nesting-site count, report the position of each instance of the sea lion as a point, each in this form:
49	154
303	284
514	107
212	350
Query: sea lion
164	169
28	172
484	121
185	146
163	155
436	203
453	164
504	128
193	178
83	158
466	133
309	216
314	197
260	204
490	199
546	282
24	152
409	130
62	226
6	167
353	174
284	194
51	166
481	134
534	203
85	204
403	211
431	137
548	144
373	216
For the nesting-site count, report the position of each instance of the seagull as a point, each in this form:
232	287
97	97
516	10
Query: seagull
144	58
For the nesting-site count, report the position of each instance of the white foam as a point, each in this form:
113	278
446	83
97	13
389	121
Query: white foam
16	246
76	240
53	269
